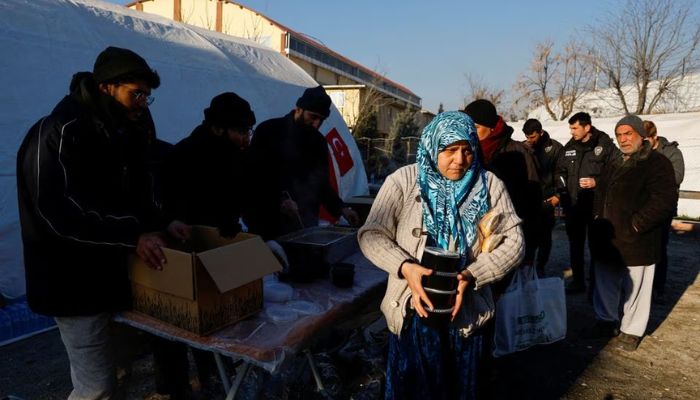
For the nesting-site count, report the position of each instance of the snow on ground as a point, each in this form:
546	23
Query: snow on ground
683	128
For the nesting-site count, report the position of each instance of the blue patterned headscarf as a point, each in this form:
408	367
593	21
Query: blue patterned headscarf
451	208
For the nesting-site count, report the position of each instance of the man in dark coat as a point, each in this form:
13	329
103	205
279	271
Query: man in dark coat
674	154
205	183
583	158
85	202
290	167
206	177
547	151
635	197
514	164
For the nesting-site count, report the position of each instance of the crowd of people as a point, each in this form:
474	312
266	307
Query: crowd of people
620	199
95	184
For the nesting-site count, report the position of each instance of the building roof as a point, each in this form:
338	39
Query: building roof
315	43
374	77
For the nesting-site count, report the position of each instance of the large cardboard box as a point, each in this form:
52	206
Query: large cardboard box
208	282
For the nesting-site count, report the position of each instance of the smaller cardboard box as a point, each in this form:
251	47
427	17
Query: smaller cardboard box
208	282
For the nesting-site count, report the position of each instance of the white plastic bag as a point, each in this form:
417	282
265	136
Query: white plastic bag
531	311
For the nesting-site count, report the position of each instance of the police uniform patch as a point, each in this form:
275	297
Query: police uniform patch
570	153
598	150
548	149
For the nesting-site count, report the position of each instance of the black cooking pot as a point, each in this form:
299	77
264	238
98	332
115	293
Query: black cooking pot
441	285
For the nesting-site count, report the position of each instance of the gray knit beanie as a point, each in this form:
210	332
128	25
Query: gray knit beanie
635	122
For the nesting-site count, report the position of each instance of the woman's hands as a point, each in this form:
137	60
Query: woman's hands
465	278
413	273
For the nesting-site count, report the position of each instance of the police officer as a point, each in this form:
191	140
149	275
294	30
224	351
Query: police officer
578	168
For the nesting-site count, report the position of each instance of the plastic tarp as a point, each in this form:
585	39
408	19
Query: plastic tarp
286	325
44	42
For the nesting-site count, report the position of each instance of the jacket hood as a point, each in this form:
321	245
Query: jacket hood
598	137
545	140
106	111
663	142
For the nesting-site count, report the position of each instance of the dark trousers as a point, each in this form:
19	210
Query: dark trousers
544	237
578	224
662	263
172	367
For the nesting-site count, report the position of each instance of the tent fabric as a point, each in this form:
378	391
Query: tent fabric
44	42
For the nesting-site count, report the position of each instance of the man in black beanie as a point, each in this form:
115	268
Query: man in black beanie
210	165
85	202
205	183
514	164
290	163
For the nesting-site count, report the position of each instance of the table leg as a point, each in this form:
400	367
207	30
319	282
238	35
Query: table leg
237	382
222	372
317	377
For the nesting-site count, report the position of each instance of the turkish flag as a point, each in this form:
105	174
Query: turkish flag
341	153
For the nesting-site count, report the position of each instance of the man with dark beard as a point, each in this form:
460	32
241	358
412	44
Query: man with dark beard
85	202
290	166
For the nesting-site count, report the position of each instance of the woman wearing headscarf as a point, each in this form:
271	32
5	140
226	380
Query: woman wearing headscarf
439	202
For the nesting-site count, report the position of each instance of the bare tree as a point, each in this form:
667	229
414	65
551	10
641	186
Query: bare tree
556	80
646	50
574	77
371	101
535	85
478	89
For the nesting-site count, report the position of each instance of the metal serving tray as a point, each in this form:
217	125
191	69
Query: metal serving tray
312	250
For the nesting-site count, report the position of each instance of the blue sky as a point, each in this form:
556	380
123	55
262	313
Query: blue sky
430	46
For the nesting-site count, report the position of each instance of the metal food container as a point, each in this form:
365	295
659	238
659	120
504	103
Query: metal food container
312	250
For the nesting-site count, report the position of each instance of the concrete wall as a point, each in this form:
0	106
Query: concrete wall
199	13
164	8
347	101
240	21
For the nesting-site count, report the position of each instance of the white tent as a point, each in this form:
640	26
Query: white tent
43	42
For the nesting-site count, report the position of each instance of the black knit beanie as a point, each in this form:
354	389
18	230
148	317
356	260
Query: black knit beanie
483	112
114	64
229	110
315	99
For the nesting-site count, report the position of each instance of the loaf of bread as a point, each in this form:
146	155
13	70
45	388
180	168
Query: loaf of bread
491	242
489	223
488	226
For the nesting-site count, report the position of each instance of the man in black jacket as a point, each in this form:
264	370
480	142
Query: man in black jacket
579	166
206	178
205	183
85	201
290	168
514	164
547	151
636	196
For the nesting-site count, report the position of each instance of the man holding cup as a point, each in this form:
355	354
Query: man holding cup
580	163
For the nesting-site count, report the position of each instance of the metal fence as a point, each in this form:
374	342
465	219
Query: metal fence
382	156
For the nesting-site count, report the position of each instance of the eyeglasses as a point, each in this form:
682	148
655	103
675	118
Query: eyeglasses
139	95
242	131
